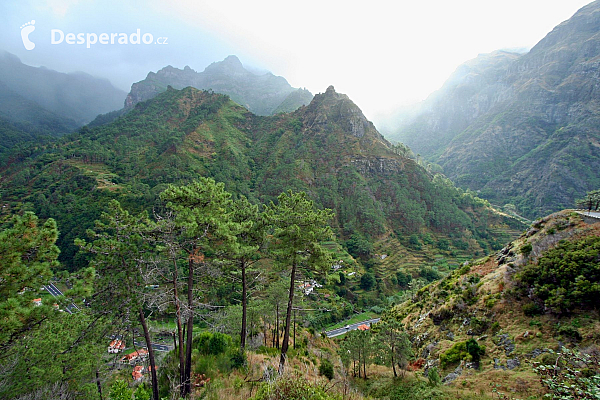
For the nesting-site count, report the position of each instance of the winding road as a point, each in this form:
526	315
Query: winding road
351	327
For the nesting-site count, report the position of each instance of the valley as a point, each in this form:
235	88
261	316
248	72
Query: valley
225	235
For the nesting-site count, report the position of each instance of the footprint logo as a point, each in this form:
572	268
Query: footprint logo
26	29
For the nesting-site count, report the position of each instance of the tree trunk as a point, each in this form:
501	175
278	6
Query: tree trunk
288	320
190	328
244	306
99	384
150	355
276	325
394	362
179	331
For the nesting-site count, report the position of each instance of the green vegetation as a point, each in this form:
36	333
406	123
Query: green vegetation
468	351
180	135
567	276
293	388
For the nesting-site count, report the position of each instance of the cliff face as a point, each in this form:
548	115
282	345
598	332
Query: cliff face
262	94
521	129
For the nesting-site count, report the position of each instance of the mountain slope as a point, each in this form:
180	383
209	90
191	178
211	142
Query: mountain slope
328	149
28	115
495	302
522	129
265	94
75	96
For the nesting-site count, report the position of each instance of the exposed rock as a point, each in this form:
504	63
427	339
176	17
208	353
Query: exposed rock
503	340
497	364
512	363
452	376
428	349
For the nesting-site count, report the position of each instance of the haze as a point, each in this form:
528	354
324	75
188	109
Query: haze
382	54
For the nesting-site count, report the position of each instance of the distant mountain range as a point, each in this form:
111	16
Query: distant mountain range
264	94
39	94
520	128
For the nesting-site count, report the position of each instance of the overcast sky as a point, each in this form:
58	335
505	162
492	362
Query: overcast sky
383	54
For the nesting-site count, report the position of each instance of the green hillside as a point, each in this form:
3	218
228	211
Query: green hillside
327	149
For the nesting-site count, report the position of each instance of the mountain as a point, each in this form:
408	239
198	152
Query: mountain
77	96
513	307
31	117
264	94
327	149
521	129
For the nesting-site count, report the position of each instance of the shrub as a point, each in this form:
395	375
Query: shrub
468	351
403	278
570	332
433	377
237	358
566	277
526	249
218	343
212	343
367	281
474	349
531	309
292	388
429	274
326	369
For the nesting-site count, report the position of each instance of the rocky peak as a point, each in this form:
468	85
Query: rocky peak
229	66
337	108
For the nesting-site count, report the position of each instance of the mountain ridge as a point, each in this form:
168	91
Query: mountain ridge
522	129
262	94
327	149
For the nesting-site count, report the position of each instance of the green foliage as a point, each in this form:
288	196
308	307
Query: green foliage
367	281
142	393
359	246
212	343
526	249
566	277
429	273
393	345
570	332
218	343
414	241
64	348
27	256
120	390
531	309
433	377
293	388
590	202
403	278
573	375
468	350
326	368
238	358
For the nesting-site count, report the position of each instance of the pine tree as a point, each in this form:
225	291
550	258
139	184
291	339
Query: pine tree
298	231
